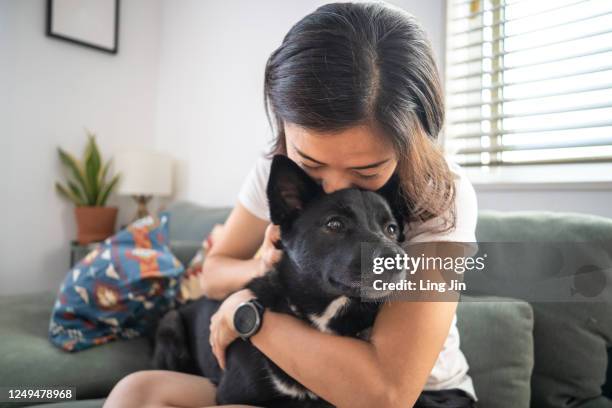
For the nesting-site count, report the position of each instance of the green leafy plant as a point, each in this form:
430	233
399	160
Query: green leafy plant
87	185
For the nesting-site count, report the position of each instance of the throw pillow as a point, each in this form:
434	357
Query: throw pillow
119	289
190	288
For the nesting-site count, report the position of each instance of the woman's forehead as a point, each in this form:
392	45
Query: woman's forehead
355	146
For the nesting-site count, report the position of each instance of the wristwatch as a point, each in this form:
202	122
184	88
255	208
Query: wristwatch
248	318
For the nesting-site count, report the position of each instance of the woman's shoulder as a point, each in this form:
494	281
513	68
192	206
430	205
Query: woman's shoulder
466	214
253	197
252	194
261	170
465	195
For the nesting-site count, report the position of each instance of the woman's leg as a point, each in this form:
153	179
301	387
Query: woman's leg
159	388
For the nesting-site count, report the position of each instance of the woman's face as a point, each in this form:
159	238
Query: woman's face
357	157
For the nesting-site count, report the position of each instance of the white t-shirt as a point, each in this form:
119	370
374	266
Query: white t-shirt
450	369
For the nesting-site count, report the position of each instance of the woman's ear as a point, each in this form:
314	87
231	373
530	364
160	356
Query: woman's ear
392	193
289	190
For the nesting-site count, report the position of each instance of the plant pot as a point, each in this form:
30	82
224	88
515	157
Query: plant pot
95	223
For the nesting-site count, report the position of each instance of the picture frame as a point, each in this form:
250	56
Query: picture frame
92	23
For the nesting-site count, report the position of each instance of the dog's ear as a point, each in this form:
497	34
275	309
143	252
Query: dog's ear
392	192
289	190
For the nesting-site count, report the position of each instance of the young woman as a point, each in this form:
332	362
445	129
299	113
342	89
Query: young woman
353	95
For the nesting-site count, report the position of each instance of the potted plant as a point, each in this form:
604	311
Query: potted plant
88	190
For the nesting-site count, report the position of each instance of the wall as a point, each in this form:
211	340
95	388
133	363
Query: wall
210	102
210	109
187	80
50	91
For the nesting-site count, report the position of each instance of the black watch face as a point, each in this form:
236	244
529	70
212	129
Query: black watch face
245	319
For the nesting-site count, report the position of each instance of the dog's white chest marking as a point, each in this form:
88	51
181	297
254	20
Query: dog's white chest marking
321	321
332	310
291	390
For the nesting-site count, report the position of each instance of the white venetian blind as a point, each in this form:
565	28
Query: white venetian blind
529	81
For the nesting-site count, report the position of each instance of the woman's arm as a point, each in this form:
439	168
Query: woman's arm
229	266
389	371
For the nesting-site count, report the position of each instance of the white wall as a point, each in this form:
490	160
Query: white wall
50	91
210	109
210	101
188	79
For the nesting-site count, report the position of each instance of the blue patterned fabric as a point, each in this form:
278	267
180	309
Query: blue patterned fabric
119	289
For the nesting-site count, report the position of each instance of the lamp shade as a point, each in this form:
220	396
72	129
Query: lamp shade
144	173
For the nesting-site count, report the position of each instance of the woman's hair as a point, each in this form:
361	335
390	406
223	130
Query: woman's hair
349	64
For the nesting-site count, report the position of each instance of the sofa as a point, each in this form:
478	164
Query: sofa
521	354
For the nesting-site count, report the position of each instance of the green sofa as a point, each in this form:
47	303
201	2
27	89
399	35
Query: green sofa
520	354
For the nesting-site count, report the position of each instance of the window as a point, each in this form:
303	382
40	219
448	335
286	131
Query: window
529	82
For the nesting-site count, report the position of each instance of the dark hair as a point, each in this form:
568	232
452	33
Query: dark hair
349	64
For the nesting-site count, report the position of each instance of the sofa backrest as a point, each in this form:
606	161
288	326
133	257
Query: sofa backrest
190	224
193	222
571	339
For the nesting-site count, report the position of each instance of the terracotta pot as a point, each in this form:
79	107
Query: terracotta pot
95	223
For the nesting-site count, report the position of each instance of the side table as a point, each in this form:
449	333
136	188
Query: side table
78	251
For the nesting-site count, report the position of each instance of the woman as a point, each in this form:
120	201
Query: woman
353	95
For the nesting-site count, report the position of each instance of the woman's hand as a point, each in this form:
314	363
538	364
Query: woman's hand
270	255
222	330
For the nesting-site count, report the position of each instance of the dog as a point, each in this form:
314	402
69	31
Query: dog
317	280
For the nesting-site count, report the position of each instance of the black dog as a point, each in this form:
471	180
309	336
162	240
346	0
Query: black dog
317	280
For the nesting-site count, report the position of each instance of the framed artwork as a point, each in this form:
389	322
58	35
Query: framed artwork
90	23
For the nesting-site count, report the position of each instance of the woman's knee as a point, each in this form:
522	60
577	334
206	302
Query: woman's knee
135	390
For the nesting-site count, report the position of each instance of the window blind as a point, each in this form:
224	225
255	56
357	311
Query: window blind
529	82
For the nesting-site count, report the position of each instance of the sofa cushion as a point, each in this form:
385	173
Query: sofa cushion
571	338
90	403
28	358
599	402
497	340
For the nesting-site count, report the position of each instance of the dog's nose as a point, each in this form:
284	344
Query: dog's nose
392	259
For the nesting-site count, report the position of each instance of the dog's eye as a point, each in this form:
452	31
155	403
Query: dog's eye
334	224
391	229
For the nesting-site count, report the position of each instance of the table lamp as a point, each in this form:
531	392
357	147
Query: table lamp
144	174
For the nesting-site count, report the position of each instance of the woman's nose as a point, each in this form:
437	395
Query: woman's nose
331	184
